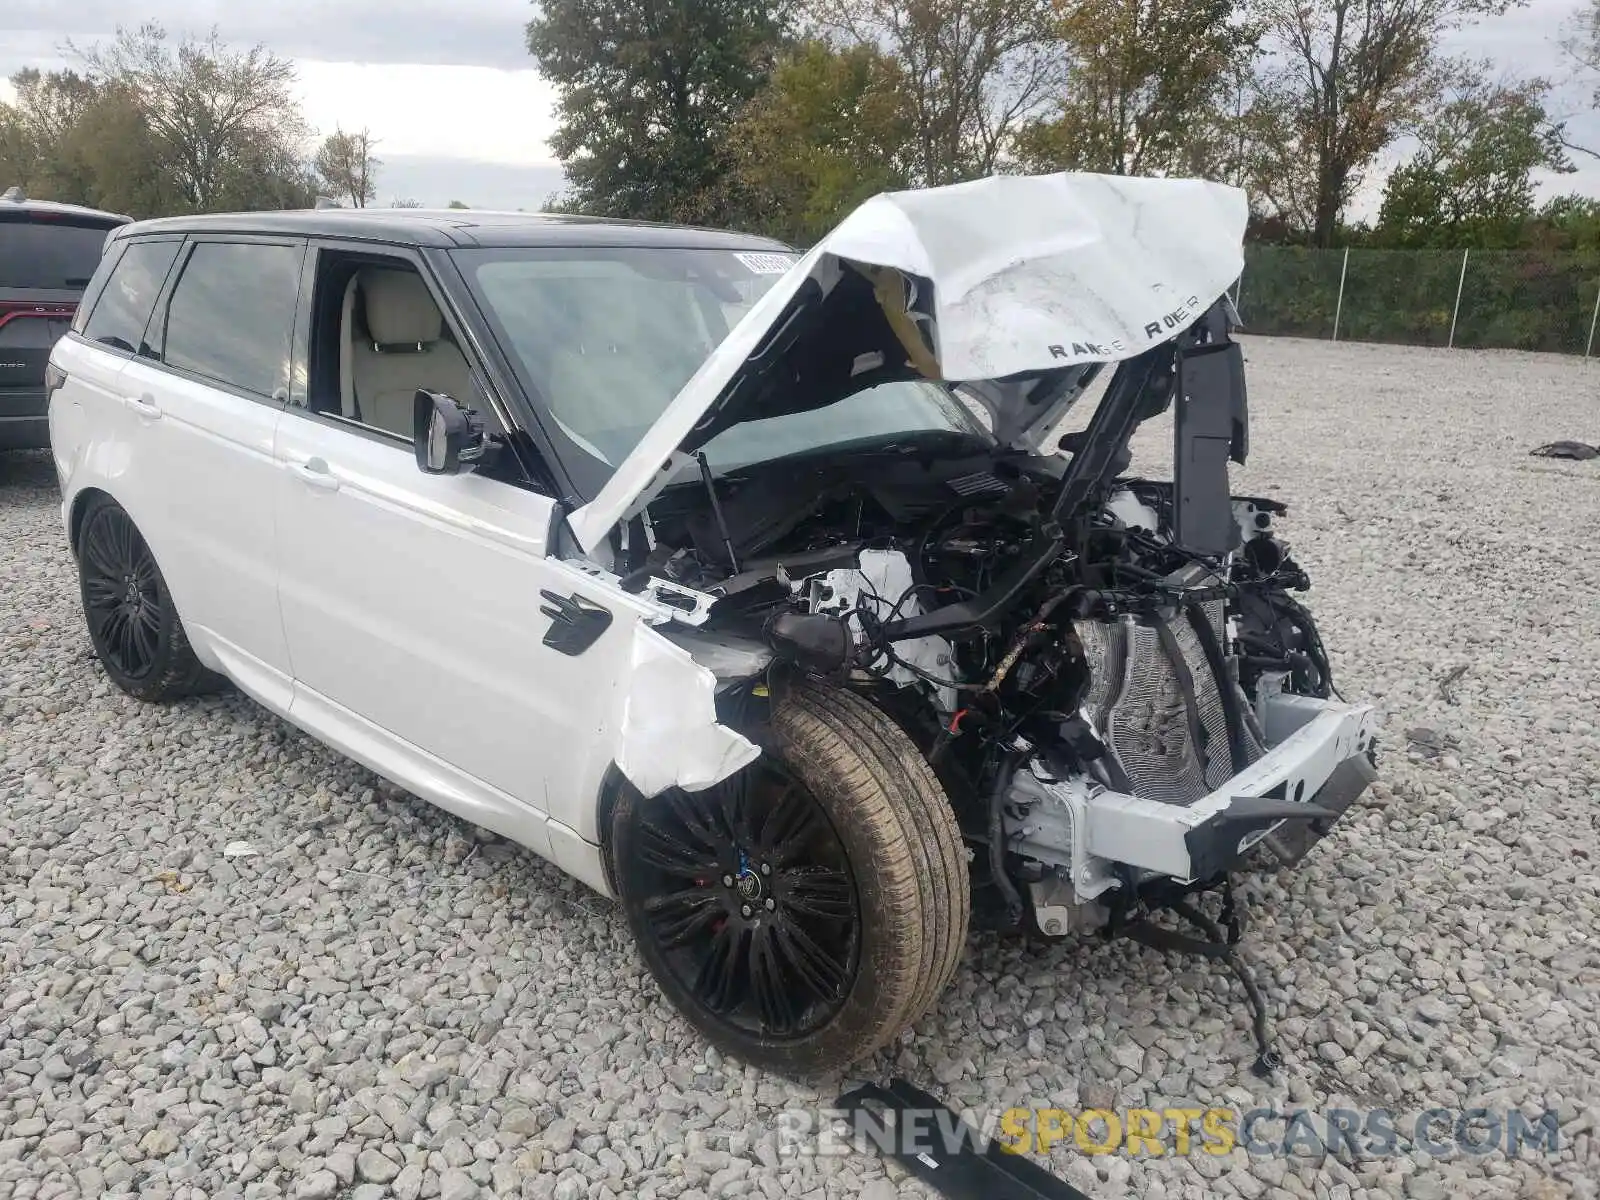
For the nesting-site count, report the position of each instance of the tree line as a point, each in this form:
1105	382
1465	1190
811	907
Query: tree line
148	125
779	116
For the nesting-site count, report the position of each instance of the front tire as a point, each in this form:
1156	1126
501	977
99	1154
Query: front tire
804	912
133	623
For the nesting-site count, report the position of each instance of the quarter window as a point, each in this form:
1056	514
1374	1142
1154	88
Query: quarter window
231	316
123	309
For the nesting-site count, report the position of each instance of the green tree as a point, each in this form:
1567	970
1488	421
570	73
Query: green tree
119	161
226	121
1145	86
975	71
32	131
1347	78
346	166
833	128
67	138
458	204
19	156
648	91
1470	183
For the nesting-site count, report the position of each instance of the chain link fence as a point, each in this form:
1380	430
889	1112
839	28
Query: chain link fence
1478	299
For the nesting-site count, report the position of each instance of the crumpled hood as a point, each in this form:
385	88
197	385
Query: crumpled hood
990	280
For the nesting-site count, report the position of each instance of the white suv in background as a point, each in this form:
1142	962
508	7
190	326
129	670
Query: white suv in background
683	563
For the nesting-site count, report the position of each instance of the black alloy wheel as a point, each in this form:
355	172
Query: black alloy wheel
122	592
802	913
751	901
132	621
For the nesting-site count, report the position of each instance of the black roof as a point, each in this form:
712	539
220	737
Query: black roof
456	228
13	202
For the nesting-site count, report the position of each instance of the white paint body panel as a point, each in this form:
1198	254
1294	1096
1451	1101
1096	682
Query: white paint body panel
413	601
213	536
1028	272
133	430
393	615
669	735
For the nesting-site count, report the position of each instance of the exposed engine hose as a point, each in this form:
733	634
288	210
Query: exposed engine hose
997	845
1247	709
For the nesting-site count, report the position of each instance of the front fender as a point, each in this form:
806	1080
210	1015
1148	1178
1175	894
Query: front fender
669	735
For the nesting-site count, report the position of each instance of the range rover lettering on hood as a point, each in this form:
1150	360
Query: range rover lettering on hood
1015	282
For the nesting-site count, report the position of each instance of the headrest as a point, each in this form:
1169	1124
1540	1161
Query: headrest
399	309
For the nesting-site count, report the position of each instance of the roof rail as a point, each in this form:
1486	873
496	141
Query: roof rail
13	194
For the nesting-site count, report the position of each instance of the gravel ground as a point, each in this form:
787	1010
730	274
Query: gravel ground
387	1001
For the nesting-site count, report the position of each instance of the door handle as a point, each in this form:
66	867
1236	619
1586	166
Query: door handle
144	405
314	472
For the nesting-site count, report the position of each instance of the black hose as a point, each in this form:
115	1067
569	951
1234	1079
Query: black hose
1268	1059
997	846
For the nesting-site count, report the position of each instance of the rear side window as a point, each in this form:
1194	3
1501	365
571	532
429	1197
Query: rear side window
124	307
231	317
49	254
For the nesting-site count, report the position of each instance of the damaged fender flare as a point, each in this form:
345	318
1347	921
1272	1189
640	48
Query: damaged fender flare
667	732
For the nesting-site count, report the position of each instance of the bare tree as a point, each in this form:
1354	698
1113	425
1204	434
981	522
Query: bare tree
346	165
1349	77
227	119
1223	149
975	70
405	202
1580	42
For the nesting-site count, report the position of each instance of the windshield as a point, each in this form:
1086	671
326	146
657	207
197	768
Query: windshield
874	414
606	337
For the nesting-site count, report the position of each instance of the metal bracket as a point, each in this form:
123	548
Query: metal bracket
689	607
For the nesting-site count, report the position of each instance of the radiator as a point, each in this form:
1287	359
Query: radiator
1137	701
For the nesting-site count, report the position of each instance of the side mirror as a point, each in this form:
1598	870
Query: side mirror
446	435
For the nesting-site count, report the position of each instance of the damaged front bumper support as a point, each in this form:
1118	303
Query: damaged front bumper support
1321	762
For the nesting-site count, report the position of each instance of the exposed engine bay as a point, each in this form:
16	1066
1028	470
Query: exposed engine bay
1098	667
1026	688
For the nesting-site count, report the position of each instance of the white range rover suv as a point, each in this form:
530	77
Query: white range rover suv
759	591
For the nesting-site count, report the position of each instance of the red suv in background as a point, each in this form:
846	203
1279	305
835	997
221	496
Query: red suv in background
48	251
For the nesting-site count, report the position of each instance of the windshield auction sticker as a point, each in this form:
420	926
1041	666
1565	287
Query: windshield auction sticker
766	264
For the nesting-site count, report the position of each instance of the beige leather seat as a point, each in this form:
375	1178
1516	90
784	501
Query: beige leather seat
395	343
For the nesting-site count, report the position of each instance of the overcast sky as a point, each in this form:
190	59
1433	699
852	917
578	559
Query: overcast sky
447	89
